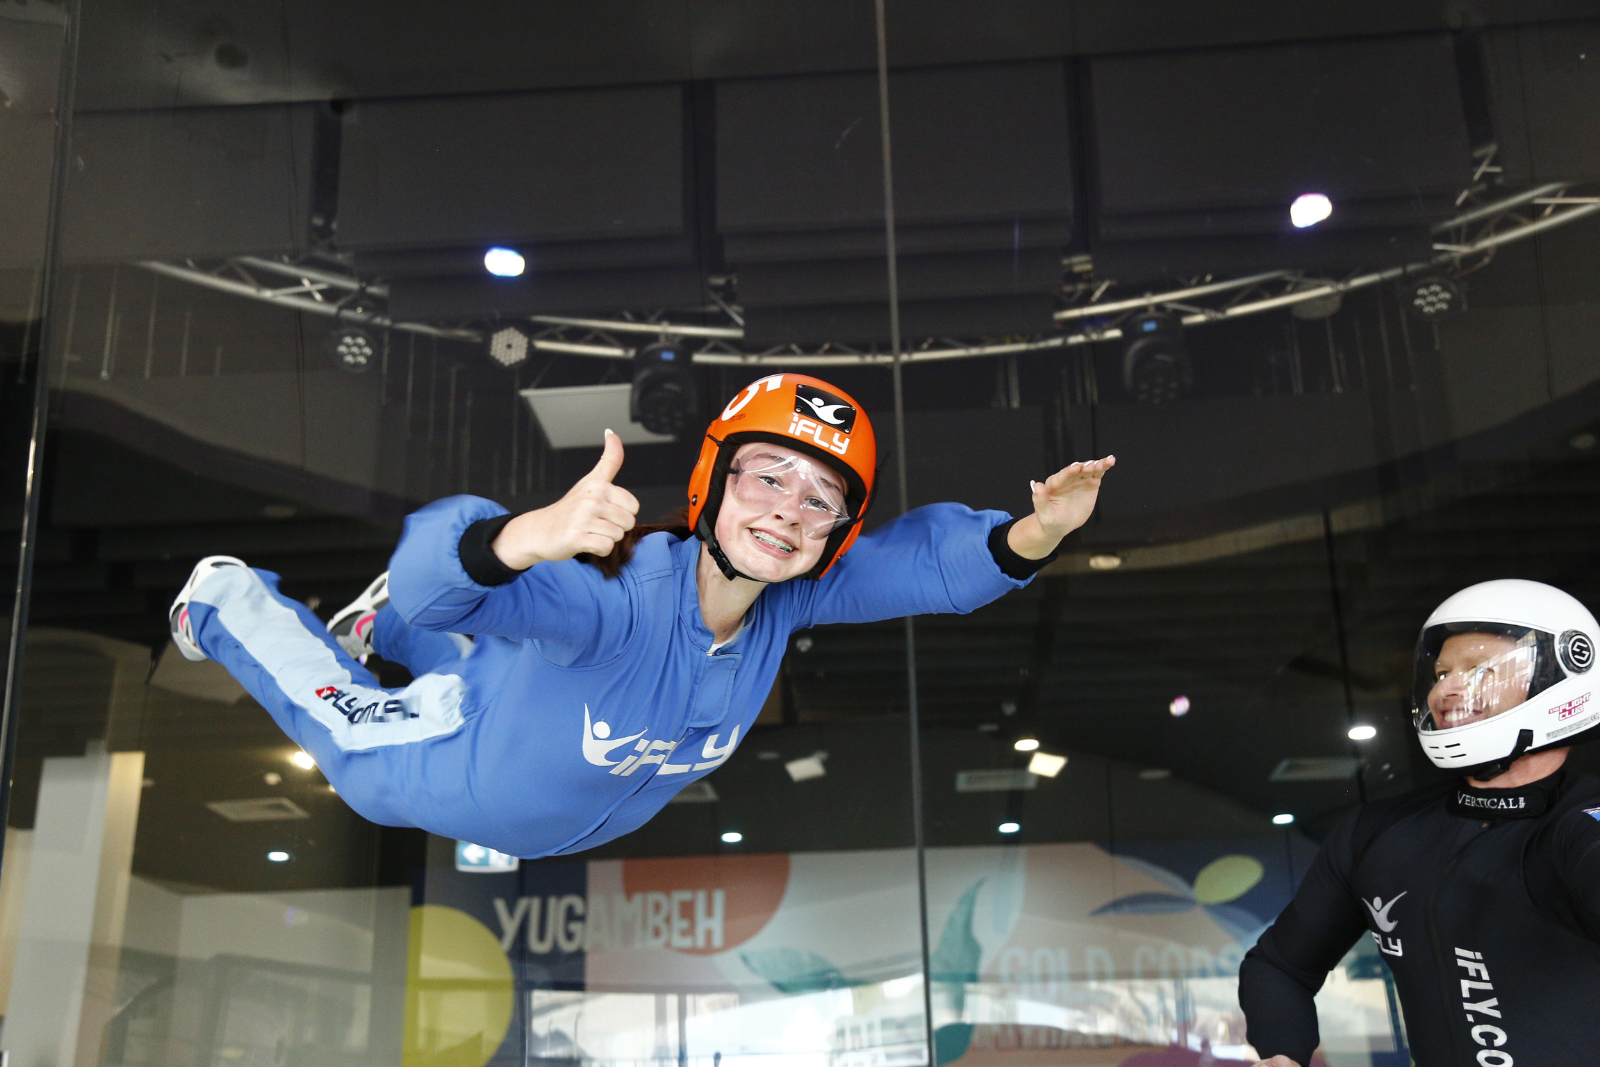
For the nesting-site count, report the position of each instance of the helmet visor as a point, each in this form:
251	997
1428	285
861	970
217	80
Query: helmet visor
1466	672
770	479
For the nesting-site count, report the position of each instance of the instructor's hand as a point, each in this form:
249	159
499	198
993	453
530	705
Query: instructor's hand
591	518
1061	503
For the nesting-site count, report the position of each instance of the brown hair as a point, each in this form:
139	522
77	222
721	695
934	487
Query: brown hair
611	564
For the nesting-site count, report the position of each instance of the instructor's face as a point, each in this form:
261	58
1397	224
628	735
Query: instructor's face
1478	676
767	543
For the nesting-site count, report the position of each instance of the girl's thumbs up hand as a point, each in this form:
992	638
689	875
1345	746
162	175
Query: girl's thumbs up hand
591	518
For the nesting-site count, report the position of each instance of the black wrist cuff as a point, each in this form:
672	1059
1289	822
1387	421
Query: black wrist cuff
478	559
1012	565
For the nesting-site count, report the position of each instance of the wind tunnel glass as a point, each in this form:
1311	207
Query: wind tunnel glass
765	480
1467	672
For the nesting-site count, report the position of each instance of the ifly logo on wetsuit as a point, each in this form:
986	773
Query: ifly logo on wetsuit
1389	946
351	707
1486	1034
598	744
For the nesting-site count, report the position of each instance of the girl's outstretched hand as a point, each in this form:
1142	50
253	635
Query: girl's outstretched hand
1061	503
591	518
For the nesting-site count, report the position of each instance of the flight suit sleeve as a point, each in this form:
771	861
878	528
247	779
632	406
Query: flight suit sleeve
1282	973
931	559
568	606
1577	864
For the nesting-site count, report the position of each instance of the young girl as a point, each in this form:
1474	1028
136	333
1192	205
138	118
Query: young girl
610	664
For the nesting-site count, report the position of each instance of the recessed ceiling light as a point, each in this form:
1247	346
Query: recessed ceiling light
272	778
732	837
278	857
1179	706
303	760
1154	774
504	262
1025	744
1282	820
1309	209
1362	733
1010	827
1104	561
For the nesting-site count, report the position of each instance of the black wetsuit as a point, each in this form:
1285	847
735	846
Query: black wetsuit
1486	906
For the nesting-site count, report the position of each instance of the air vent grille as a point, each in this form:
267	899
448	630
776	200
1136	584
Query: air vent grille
994	781
259	809
1315	769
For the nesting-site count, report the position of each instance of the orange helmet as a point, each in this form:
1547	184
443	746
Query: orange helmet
801	413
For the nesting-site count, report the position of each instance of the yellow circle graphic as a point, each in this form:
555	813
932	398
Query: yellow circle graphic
1227	878
459	990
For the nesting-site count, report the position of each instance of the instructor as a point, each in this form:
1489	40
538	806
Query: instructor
1483	892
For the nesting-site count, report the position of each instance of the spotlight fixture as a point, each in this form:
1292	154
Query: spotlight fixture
278	856
504	262
1434	297
1309	209
508	346
1362	733
353	349
1025	744
1155	365
1104	561
1282	820
1179	706
1009	827
303	760
732	837
665	399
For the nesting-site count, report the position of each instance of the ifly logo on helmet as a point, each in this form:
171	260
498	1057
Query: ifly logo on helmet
819	404
823	417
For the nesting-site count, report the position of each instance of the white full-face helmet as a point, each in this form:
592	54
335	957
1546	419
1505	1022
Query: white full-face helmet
1504	669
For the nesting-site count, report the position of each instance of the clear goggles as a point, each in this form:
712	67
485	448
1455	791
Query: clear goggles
766	481
1468	672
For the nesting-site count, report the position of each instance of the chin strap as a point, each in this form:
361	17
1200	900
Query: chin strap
1487	772
729	571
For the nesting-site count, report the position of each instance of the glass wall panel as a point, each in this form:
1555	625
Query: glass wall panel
323	265
33	48
1320	291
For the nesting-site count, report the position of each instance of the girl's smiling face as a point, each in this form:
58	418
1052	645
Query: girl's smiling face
1478	676
770	543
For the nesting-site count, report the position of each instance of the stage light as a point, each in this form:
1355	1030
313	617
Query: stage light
665	399
1155	365
1045	765
508	346
303	760
278	856
504	262
1179	706
1362	733
1433	297
353	349
1010	827
1309	209
1025	744
732	837
1104	561
1282	820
